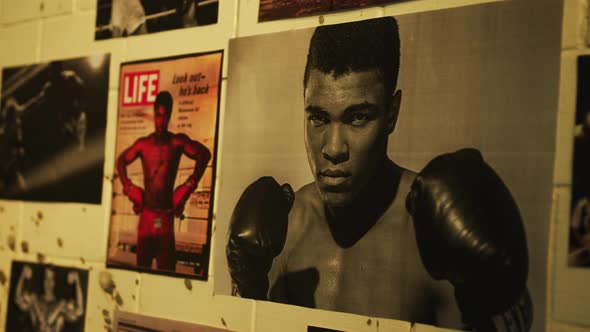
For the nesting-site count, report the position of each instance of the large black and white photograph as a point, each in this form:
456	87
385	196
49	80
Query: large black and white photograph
397	167
579	239
124	18
46	298
52	128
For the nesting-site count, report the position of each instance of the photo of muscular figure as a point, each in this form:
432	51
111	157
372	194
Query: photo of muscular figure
57	305
164	179
158	202
391	187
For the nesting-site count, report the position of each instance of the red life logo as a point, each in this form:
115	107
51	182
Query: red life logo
140	88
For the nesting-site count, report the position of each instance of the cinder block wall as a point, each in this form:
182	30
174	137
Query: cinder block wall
76	234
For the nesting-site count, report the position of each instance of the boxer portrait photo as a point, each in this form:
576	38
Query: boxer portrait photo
165	165
361	174
46	298
123	18
52	127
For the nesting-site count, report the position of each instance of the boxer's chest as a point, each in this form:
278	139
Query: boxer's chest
47	312
158	156
381	275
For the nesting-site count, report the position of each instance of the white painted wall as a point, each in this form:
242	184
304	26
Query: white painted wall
41	30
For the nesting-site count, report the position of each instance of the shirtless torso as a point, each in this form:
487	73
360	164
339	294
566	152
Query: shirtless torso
380	275
159	160
160	157
47	315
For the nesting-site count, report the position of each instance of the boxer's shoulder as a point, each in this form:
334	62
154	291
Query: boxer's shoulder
407	177
180	138
301	218
306	209
307	194
307	202
143	141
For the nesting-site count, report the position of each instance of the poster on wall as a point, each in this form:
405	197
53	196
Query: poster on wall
320	204
579	239
311	328
52	127
46	298
165	164
132	322
123	18
270	10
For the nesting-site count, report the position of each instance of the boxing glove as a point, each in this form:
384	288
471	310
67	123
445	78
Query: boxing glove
135	195
469	231
257	234
181	195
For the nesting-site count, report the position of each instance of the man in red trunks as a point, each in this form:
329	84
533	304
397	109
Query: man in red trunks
158	202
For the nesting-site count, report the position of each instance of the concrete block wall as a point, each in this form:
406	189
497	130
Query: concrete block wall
76	234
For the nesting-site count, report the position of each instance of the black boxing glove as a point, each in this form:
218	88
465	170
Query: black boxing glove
257	234
469	231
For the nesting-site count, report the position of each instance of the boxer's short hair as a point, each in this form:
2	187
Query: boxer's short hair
357	46
164	98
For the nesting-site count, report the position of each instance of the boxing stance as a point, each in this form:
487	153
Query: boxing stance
158	202
46	311
60	107
368	236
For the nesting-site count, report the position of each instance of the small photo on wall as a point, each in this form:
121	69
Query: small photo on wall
131	322
270	10
123	18
579	239
165	165
329	131
46	298
311	328
52	128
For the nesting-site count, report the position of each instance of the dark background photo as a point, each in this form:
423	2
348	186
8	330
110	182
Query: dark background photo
21	321
38	160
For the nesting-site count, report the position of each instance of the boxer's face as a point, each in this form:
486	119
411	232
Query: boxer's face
347	123
161	119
